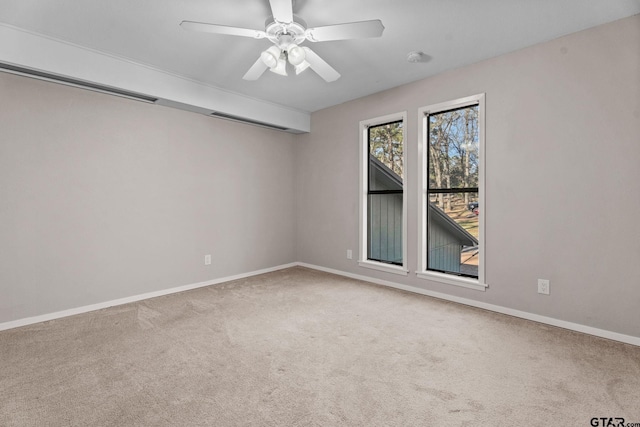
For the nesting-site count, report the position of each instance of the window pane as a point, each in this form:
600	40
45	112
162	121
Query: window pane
386	172
381	177
385	227
385	154
452	230
454	148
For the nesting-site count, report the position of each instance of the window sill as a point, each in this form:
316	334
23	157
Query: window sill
452	280
387	268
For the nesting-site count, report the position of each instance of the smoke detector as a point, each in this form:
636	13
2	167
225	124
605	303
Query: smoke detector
417	56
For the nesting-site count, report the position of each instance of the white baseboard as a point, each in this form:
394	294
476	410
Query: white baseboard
628	339
72	311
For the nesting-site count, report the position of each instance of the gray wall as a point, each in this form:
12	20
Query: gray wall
103	198
563	176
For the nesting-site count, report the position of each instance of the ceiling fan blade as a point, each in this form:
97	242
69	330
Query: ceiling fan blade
319	65
256	70
222	29
353	30
282	10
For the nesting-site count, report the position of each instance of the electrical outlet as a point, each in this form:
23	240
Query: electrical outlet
543	286
349	254
207	260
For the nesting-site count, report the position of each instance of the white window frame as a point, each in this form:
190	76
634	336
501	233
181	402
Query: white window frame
423	272
363	261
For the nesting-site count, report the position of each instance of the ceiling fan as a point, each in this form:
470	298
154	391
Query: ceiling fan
286	31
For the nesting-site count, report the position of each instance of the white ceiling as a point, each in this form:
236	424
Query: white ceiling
452	32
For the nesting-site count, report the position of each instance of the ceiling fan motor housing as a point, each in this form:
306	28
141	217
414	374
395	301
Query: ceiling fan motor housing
282	34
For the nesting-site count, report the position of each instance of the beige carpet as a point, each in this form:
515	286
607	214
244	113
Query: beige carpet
304	348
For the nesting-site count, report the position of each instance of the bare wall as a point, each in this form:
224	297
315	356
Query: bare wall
103	198
562	150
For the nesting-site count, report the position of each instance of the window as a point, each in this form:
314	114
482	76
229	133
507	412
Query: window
452	194
383	202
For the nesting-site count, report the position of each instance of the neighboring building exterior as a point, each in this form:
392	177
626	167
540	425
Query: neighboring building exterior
447	240
446	237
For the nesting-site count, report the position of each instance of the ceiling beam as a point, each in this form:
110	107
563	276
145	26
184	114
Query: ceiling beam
32	51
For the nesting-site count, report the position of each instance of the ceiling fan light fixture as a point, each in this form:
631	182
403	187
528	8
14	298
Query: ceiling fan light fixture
301	67
281	67
295	54
271	57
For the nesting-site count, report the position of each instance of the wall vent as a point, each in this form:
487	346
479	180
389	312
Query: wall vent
69	81
247	121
